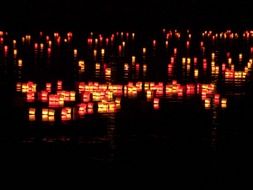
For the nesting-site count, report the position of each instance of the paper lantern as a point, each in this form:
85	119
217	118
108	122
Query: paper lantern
108	72
66	114
82	109
48	87
32	111
20	63
59	85
30	97
102	107
133	59
149	94
75	52
175	51
133	35
145	68
81	65
196	73
36	46
240	56
207	103
144	50
111	107
44	96
183	60
86	96
223	103
102	52
41	46
187	44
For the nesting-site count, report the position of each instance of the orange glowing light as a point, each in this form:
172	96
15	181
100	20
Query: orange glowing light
223	103
108	71
207	103
196	73
66	114
32	111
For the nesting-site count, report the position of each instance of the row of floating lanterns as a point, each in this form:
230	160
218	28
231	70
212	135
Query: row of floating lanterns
106	98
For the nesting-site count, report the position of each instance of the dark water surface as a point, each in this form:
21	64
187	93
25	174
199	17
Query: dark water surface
202	122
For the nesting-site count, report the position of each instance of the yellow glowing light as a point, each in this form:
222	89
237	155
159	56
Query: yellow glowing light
44	111
32	111
149	94
183	60
156	101
133	35
108	71
207	103
144	50
94	52
97	66
240	56
166	43
145	67
102	52
229	61
19	87
51	112
213	56
133	59
188	60
49	43
223	102
75	52
96	41
81	65
196	72
126	67
15	52
45	118
14	43
41	46
20	63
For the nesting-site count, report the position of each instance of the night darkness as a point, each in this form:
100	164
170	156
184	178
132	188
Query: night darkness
188	133
110	14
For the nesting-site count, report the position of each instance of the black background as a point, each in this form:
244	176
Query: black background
112	14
